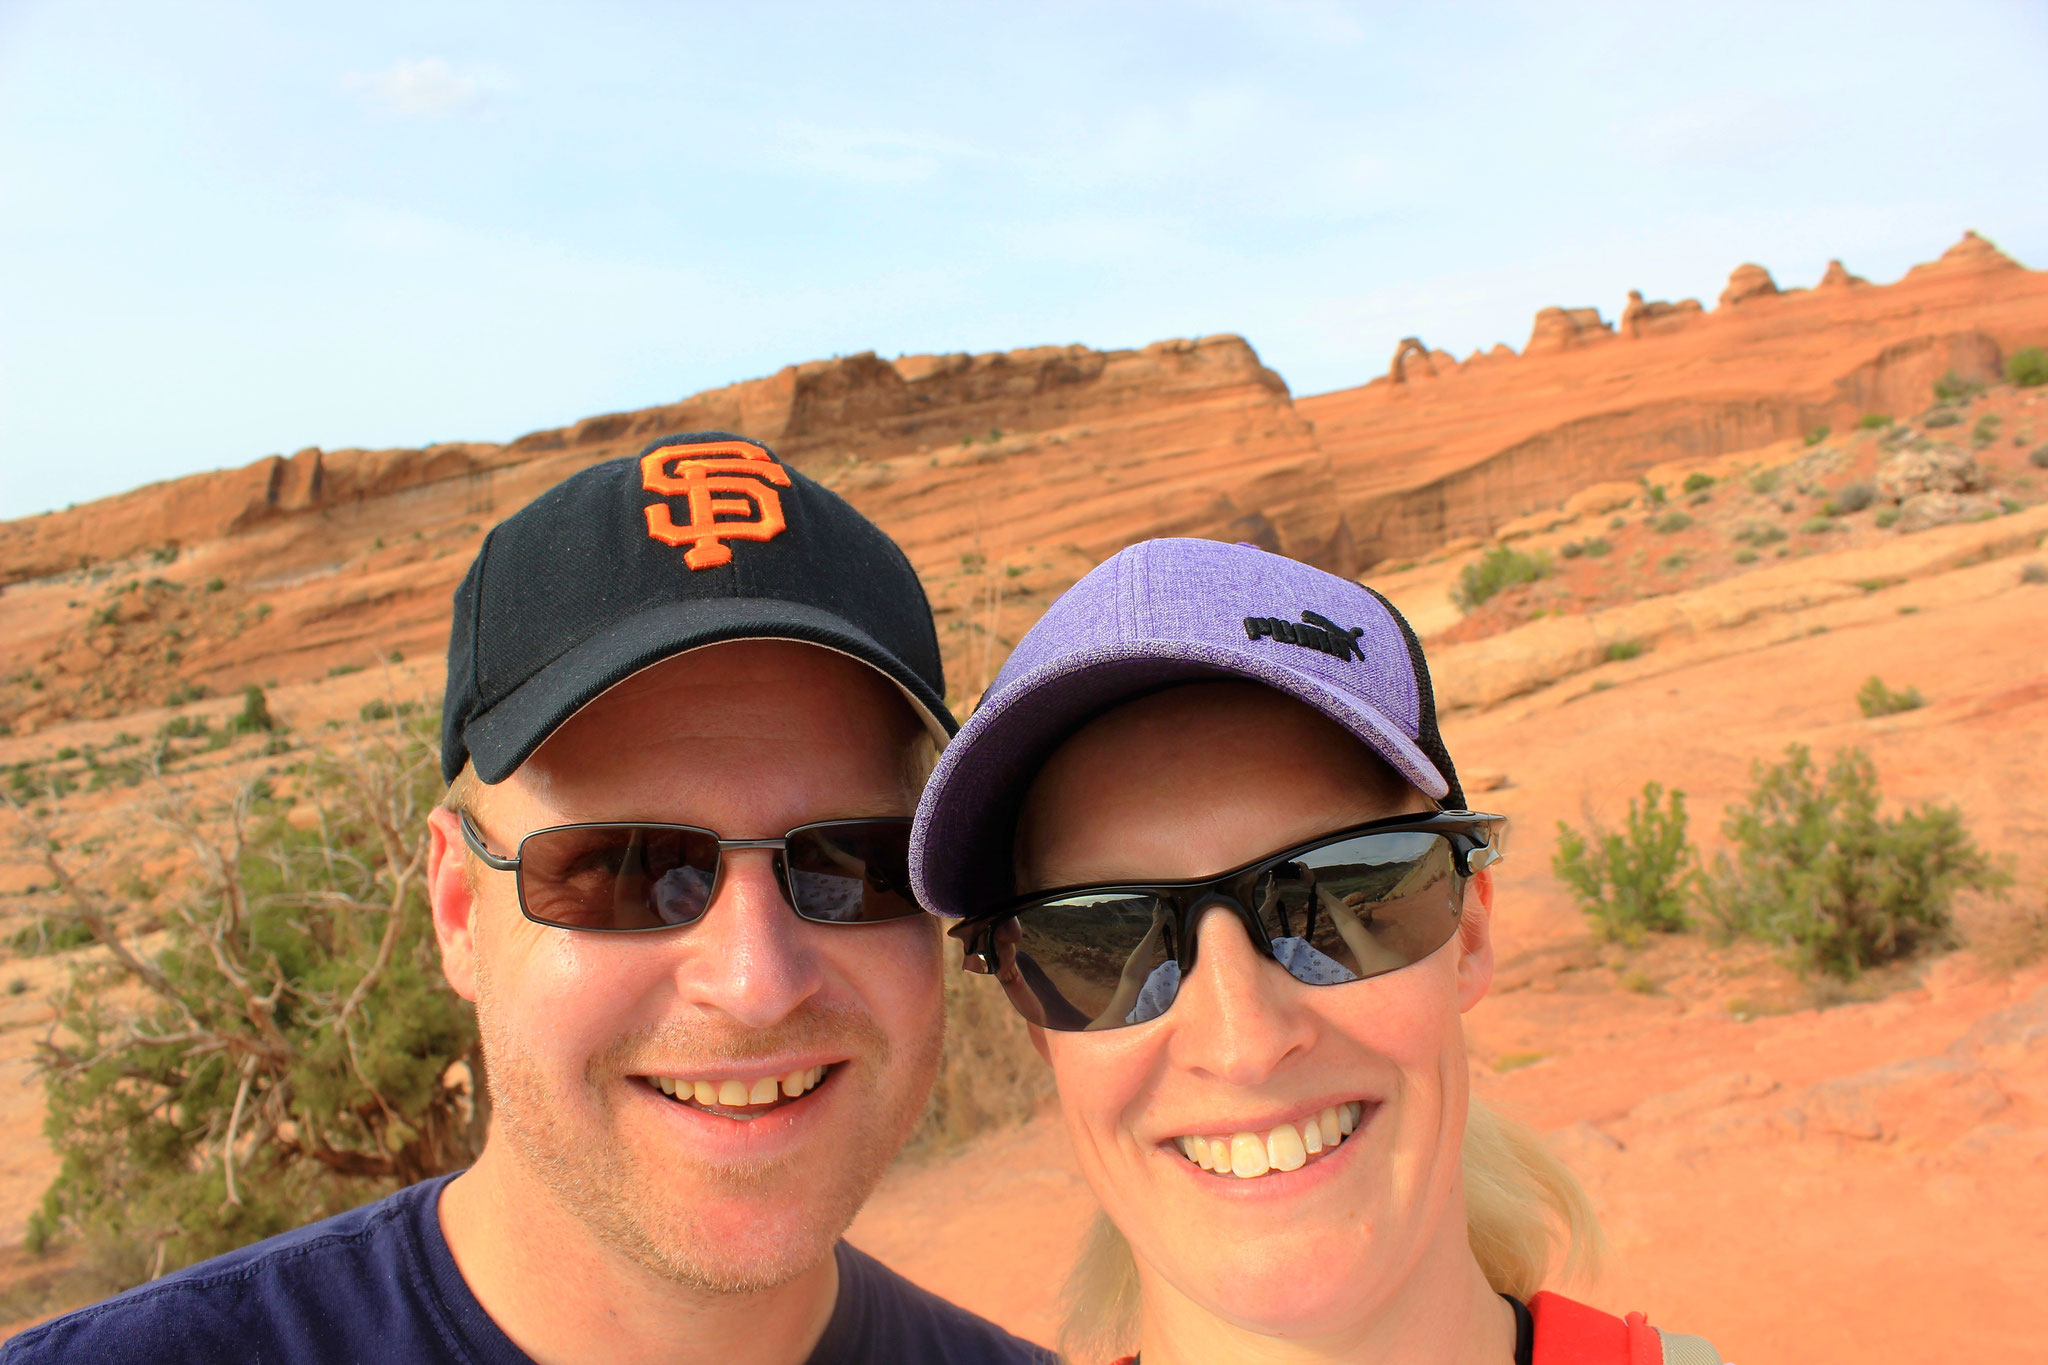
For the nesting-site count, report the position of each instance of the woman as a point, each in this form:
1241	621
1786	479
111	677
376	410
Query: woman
1204	832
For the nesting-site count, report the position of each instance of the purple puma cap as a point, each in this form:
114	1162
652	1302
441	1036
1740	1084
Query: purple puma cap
1159	612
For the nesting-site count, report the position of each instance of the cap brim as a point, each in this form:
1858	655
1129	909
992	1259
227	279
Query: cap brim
972	800
502	737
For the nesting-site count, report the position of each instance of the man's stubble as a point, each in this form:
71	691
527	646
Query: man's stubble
642	1203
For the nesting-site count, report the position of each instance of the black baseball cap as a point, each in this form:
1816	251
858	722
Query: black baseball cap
702	538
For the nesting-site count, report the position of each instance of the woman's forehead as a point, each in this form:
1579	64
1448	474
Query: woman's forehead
1243	729
1197	779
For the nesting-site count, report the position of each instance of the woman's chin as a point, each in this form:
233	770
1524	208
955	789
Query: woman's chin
1302	1286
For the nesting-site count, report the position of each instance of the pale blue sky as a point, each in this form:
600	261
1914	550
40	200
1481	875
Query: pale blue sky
231	229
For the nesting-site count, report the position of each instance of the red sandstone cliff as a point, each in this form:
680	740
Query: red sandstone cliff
1005	476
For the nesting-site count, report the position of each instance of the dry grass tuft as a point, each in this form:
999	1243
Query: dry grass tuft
989	1076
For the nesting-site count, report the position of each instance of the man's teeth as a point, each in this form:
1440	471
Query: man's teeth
1285	1147
735	1094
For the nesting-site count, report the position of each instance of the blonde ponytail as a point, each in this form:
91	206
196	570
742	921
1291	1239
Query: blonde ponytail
1520	1203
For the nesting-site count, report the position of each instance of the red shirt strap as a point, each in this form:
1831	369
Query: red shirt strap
1570	1333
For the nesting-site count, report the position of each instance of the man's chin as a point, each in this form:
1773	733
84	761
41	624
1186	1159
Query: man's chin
723	1230
732	1247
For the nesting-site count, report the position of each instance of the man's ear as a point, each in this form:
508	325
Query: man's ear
452	894
1475	939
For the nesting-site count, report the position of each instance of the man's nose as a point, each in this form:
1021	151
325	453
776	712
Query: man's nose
1238	1016
749	956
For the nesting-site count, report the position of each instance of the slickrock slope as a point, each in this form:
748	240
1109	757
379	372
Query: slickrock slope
1002	475
1429	453
1005	476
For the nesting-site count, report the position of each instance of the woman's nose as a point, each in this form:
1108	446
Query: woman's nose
1238	1015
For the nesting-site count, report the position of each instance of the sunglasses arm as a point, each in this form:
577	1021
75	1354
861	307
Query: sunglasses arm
476	846
977	946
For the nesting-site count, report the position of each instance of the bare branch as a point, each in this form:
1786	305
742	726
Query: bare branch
227	1146
82	906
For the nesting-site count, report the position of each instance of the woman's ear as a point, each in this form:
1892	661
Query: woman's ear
1475	941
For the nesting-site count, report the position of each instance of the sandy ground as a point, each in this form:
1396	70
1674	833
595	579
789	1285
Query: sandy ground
1862	1181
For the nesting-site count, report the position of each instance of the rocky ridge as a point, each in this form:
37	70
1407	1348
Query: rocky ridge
1005	476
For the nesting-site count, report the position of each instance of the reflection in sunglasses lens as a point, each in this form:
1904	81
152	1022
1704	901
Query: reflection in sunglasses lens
622	877
1348	910
611	877
1093	961
1361	907
852	874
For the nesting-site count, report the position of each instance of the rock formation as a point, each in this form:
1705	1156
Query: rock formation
1410	346
1747	282
1011	473
1939	469
1563	329
1971	254
1654	318
1838	277
1008	475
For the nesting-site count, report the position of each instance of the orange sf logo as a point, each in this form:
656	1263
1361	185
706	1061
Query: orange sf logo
719	478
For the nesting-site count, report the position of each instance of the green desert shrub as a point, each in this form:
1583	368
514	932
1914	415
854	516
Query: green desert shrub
1952	386
1986	430
183	727
1853	497
1764	482
1816	436
1500	568
1876	699
254	716
1634	880
1759	533
1625	649
1942	418
1813	866
1871	421
1671	523
44	935
2027	367
284	1049
1695	483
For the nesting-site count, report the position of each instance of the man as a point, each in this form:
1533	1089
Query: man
691	701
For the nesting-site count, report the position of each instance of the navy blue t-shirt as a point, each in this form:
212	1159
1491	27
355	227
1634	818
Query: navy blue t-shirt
379	1284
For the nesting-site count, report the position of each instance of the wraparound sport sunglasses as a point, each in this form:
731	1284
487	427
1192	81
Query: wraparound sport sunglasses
1343	907
626	878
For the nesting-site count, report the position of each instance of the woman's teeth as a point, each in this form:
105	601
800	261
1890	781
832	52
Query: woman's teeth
737	1094
1285	1147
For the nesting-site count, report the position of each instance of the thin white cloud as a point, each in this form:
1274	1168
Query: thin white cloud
871	158
428	87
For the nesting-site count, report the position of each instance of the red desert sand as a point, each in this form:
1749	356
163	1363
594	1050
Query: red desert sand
1799	1173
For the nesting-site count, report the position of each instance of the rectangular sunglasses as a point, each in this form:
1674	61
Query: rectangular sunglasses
1342	907
632	877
